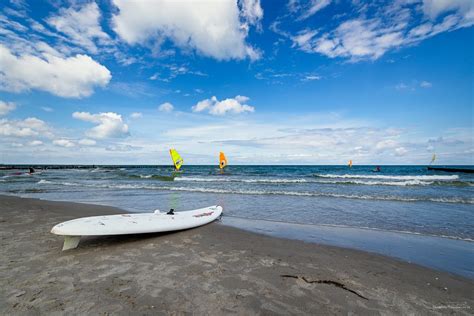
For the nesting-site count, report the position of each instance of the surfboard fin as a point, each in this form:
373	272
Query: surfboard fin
71	242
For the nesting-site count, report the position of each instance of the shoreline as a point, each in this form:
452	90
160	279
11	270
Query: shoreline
211	269
442	253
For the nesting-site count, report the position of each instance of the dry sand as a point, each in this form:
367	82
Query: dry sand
208	270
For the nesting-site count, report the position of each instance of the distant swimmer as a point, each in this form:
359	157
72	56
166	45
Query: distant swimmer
377	169
31	170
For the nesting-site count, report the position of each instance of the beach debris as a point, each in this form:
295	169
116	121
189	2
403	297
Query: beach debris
330	282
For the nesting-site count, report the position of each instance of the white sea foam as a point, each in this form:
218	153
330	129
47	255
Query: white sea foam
384	177
222	179
44	182
344	179
391	183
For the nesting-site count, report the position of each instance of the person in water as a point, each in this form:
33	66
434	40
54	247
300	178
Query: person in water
31	170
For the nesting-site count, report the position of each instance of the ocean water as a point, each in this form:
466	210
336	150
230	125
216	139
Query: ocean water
399	199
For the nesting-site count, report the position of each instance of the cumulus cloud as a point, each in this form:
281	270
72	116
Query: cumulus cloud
81	25
72	77
232	105
166	107
109	124
6	107
63	142
28	127
213	29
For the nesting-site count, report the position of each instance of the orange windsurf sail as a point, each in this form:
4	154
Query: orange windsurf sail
222	160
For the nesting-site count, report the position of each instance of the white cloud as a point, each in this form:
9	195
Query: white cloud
303	39
315	6
380	29
400	151
35	143
434	8
232	105
6	107
426	84
24	128
170	71
87	142
401	86
386	144
73	77
357	39
212	28
82	26
305	9
166	107
136	115
251	11
311	78
109	124
47	109
63	143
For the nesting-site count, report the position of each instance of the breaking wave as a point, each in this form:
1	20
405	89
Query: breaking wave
263	180
384	177
413	181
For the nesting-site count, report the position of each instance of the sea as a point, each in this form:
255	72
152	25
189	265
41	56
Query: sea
407	212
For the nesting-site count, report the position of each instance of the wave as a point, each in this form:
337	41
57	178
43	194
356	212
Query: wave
264	192
263	180
391	183
361	181
152	177
44	182
384	177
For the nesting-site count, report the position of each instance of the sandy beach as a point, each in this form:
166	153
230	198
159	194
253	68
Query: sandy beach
213	270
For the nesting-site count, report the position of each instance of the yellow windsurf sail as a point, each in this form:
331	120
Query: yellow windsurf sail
177	160
350	164
222	160
433	158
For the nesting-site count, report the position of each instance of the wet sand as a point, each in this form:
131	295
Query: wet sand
213	269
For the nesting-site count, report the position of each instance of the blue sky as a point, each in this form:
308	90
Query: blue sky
268	82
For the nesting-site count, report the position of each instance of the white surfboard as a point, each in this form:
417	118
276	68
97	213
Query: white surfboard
139	223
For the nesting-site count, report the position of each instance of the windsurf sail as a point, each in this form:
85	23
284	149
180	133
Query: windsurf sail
177	160
350	164
433	159
222	160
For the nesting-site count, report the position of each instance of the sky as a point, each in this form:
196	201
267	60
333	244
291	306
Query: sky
265	81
